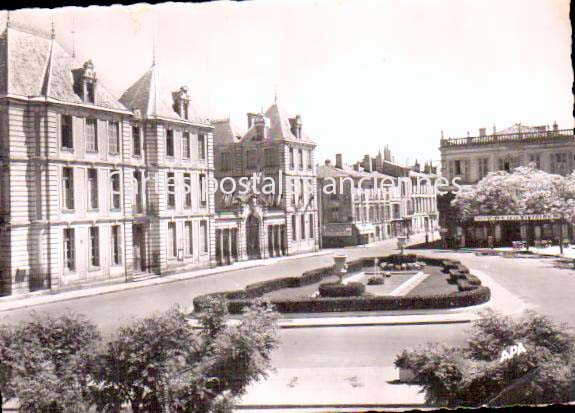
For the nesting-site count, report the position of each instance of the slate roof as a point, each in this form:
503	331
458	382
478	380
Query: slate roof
225	132
38	66
152	99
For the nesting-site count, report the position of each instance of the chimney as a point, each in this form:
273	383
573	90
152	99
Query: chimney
356	166
366	163
327	162
338	161
417	166
481	131
555	127
251	117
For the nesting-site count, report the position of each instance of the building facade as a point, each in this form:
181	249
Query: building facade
84	177
469	159
375	199
275	211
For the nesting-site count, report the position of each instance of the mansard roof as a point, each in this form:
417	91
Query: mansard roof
153	100
225	132
36	65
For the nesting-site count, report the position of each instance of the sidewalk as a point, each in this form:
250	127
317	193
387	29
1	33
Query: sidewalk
329	388
47	297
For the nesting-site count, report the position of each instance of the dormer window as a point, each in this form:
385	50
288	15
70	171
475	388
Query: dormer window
259	123
295	126
182	102
85	82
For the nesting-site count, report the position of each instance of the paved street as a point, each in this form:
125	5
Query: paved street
349	351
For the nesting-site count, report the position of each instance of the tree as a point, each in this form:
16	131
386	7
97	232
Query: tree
160	363
43	362
476	374
526	190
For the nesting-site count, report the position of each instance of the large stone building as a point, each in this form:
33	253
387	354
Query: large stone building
375	199
471	158
277	213
85	179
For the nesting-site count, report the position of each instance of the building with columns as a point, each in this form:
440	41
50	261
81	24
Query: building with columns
85	178
275	211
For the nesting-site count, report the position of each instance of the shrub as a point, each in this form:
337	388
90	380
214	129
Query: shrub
464	285
352	289
376	281
401	259
472	279
473	375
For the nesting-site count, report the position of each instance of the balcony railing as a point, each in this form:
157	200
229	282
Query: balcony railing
539	136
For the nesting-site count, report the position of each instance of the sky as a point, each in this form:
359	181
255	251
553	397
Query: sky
362	73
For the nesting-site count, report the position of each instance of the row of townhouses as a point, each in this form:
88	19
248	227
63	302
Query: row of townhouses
95	189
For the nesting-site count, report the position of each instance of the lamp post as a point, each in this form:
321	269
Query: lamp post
561	234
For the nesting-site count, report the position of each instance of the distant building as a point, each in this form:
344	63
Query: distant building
374	199
279	214
472	158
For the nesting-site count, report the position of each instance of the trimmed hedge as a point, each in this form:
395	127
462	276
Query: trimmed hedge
400	259
470	292
353	289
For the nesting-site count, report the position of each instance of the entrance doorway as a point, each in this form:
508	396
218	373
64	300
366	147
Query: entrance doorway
253	237
138	239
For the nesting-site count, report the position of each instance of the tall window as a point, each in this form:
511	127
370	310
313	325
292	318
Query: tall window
116	191
302	224
300	156
188	190
536	159
169	142
136	141
311	231
293	228
268	157
93	188
483	167
138	191
116	245
291	159
203	191
91	135
66	132
201	146
204	235
94	246
172	240
560	163
309	160
69	249
186	145
226	161
171	188
114	138
189	237
251	161
68	187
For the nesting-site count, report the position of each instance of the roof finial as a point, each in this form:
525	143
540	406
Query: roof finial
7	18
73	31
276	93
53	30
154	52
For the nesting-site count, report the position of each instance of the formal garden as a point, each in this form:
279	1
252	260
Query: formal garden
395	282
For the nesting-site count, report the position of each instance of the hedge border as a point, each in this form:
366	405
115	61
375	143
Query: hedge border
470	293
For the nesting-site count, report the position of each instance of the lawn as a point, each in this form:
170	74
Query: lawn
436	283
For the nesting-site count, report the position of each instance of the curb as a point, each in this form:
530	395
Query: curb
337	406
21	303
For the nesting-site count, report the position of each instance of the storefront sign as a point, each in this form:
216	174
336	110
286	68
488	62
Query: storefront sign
527	217
337	230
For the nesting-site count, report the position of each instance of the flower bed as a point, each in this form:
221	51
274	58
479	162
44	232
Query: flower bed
470	293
